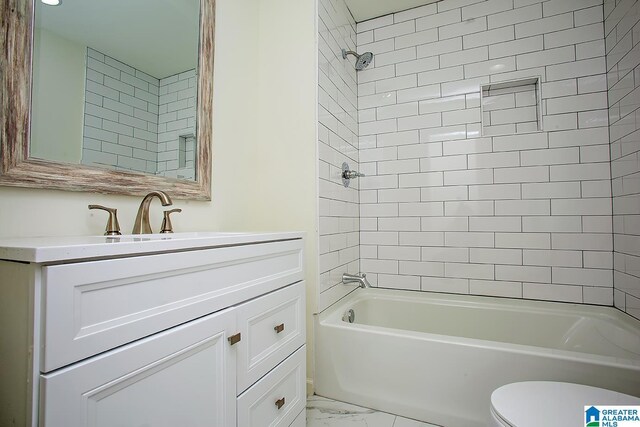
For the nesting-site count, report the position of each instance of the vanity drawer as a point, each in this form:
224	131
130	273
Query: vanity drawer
272	327
91	307
301	420
278	398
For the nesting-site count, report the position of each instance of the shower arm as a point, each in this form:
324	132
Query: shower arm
349	52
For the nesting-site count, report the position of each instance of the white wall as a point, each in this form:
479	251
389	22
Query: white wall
623	67
337	143
264	162
447	209
58	81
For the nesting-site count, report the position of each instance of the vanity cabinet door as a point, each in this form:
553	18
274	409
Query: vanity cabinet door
184	377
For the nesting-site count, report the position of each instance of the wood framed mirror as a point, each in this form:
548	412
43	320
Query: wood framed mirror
20	168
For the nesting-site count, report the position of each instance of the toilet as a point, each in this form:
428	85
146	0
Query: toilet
549	404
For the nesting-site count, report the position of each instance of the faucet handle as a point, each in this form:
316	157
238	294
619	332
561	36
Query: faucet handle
167	227
112	228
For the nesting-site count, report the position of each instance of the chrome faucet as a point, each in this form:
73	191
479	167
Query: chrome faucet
359	278
142	226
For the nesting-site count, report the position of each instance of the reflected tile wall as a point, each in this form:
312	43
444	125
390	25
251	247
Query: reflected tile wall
120	117
622	29
337	143
176	120
134	121
446	209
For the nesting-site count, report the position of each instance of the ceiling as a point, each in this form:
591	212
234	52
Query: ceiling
158	37
368	9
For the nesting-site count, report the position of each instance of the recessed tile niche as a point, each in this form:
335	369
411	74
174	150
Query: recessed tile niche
512	107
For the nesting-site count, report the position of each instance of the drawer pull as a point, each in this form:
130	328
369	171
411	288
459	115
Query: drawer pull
234	339
280	403
279	328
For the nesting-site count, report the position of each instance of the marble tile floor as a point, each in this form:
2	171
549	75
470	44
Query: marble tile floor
323	412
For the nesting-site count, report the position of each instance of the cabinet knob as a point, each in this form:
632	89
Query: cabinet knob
279	328
234	339
280	403
112	228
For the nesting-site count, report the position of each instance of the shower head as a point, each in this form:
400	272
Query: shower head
362	61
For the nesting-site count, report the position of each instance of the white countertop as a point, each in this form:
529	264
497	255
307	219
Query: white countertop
57	249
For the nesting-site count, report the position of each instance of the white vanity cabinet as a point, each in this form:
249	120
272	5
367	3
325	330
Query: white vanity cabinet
187	331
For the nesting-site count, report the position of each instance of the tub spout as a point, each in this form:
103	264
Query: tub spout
359	278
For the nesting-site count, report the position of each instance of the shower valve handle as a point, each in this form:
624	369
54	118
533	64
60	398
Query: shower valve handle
348	174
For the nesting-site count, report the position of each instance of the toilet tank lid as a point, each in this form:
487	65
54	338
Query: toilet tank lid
536	403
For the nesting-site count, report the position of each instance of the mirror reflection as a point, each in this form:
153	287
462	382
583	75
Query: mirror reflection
115	85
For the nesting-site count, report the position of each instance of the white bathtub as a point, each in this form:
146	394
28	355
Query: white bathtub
437	358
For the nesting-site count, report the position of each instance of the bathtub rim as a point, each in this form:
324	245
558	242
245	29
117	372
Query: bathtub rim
332	317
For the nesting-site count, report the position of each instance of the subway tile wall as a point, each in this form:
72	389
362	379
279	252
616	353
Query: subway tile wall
121	116
134	121
337	143
445	208
622	32
177	125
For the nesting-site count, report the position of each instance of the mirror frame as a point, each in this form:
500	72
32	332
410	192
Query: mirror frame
18	170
